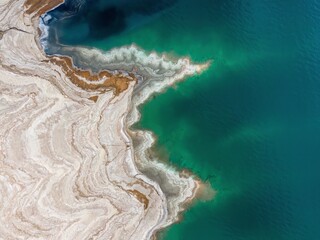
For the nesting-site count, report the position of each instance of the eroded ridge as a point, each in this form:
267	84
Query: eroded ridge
68	166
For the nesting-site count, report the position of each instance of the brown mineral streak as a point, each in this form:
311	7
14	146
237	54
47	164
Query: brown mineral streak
118	82
141	198
39	7
84	79
93	98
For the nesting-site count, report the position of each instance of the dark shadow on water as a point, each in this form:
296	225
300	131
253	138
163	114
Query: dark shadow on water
103	18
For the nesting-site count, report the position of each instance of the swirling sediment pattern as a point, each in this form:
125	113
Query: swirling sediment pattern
68	165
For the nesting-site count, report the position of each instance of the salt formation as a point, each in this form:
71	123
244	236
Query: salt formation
68	165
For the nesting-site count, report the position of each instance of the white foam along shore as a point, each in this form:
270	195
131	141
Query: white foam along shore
68	165
156	73
44	28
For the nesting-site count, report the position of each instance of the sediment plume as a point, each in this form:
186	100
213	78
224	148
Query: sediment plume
70	167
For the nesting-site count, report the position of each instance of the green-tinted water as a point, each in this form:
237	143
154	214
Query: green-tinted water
250	124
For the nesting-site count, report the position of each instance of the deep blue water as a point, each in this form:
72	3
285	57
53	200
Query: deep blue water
250	125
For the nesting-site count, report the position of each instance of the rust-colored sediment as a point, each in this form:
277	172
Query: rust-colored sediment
86	80
39	7
94	98
141	198
82	78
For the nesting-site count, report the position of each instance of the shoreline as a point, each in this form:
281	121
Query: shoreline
100	98
188	70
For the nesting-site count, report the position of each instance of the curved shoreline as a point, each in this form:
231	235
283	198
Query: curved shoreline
99	110
85	58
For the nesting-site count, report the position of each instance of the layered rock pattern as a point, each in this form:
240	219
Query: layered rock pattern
68	165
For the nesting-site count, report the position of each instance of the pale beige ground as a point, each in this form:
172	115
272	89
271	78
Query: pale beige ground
67	164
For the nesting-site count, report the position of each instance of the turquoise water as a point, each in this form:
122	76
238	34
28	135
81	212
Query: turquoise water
250	124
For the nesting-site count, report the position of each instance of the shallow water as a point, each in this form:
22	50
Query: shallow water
249	125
